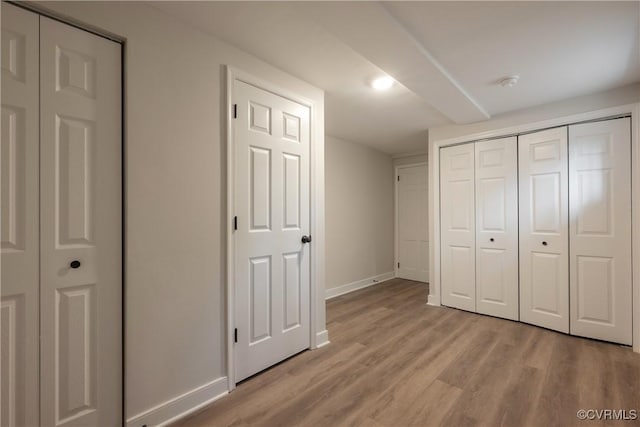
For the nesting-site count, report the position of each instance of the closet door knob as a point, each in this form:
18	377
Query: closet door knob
544	243
306	239
491	239
75	264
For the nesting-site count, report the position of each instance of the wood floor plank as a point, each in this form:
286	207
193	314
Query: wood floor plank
395	361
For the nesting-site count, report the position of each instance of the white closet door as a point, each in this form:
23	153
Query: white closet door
457	234
413	223
497	227
544	229
80	184
272	270
600	236
19	232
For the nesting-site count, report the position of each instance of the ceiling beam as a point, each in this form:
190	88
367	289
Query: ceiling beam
373	32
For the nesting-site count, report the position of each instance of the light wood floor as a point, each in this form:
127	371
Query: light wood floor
394	361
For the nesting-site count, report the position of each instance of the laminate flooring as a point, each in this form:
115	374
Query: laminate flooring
394	361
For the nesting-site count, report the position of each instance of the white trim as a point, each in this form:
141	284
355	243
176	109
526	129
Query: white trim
316	219
322	338
635	223
180	406
359	284
395	211
434	189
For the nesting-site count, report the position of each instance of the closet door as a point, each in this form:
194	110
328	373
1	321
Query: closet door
496	175
544	229
80	185
19	218
600	232
457	204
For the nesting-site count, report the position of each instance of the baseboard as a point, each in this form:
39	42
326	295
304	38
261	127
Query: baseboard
359	284
180	406
322	338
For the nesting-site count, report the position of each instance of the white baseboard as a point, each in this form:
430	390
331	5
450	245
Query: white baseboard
180	406
322	338
359	284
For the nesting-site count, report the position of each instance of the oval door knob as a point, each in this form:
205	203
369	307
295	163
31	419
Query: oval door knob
544	243
491	239
75	264
306	239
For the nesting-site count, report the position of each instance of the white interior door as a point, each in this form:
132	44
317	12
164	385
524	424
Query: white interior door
20	212
600	230
544	229
413	223
457	235
80	184
271	151
497	227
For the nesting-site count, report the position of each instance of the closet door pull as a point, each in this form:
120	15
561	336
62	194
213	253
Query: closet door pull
75	264
491	239
544	243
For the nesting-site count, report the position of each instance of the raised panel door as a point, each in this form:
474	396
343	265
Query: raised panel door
19	231
600	230
544	229
457	236
496	178
271	142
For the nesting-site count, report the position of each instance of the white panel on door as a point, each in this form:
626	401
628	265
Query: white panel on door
457	201
74	151
271	158
292	303
412	223
80	211
496	239
600	230
543	217
260	305
260	170
19	229
291	170
77	352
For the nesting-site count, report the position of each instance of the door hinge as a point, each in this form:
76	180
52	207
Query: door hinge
235	111
235	223
398	265
235	335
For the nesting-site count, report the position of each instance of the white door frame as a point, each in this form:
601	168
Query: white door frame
319	336
395	213
434	191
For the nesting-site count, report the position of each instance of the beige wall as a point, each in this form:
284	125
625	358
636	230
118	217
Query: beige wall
359	212
620	96
175	195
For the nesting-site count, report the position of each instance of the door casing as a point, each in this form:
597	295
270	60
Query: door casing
318	333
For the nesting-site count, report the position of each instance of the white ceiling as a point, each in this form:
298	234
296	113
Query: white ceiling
447	56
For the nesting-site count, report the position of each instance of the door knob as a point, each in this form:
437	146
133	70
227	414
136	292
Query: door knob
491	239
75	264
306	239
544	243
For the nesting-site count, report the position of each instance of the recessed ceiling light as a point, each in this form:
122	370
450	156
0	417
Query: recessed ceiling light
382	83
509	81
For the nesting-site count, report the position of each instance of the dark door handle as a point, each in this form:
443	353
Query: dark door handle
491	239
306	239
75	264
544	243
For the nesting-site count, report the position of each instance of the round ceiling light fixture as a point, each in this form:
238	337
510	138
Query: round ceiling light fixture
509	81
382	83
